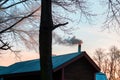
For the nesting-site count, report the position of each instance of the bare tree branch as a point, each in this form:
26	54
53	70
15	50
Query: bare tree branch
58	25
5	1
13	4
113	15
19	21
5	46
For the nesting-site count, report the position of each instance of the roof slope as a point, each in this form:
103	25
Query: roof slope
2	67
33	65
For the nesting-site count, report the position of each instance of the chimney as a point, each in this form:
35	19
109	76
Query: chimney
79	48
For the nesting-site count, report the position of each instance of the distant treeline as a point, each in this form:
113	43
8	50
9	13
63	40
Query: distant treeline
109	62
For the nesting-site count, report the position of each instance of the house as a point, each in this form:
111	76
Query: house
73	66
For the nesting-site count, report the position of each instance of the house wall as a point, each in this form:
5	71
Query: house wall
57	75
23	76
79	70
32	76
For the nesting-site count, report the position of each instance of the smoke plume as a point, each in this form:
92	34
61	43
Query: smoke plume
69	41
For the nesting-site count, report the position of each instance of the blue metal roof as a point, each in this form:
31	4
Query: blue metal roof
33	65
2	67
101	76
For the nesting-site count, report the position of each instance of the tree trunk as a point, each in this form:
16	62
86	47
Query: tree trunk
45	36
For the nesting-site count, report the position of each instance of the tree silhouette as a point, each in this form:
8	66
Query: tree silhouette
109	62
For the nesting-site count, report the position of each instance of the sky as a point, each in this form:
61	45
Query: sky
93	38
92	35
